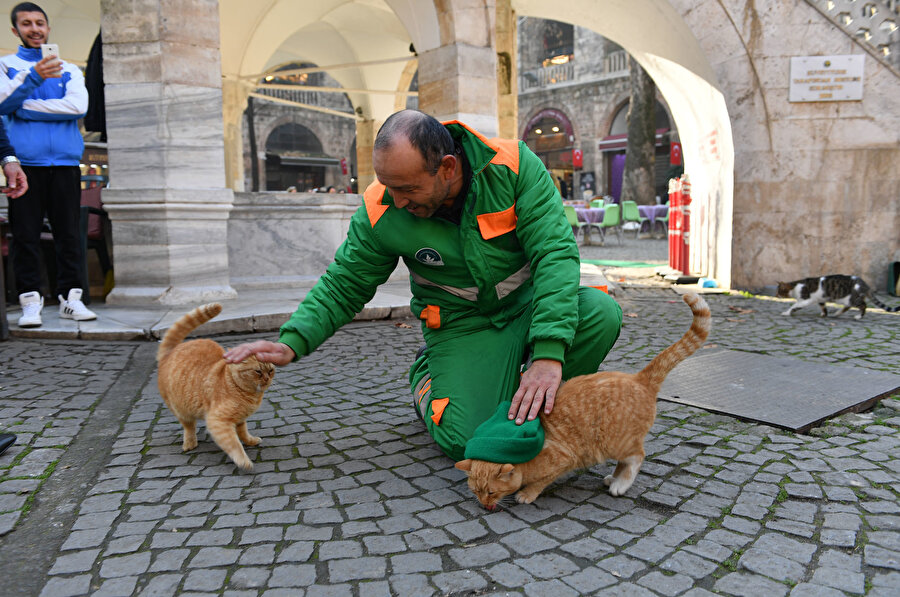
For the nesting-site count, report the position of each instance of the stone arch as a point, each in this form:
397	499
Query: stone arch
655	33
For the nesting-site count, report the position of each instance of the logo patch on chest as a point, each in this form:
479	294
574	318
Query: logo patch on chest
429	256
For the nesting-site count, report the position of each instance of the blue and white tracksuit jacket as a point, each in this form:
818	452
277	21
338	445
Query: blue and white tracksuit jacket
42	114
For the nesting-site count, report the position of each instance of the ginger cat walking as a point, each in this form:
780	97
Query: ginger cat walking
596	417
196	383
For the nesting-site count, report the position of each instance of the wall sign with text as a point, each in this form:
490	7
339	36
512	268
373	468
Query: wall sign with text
826	78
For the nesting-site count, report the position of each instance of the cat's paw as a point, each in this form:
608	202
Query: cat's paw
616	486
252	440
608	480
189	444
787	313
525	497
244	463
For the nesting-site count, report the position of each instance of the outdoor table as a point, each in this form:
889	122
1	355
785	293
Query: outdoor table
590	215
651	212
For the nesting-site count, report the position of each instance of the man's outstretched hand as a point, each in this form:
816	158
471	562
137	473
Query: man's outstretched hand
265	351
537	387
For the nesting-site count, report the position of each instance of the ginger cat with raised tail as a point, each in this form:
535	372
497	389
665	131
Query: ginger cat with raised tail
595	417
196	383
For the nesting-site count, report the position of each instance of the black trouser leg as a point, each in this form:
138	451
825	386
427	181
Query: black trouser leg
26	218
64	213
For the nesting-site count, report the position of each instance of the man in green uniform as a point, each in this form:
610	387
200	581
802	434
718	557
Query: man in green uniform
494	274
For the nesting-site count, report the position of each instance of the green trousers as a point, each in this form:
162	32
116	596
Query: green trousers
470	368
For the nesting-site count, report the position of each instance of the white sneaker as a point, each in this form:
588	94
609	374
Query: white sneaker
73	308
32	303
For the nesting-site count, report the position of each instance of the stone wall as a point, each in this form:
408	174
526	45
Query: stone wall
287	240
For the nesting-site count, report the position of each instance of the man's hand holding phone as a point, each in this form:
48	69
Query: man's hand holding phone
50	66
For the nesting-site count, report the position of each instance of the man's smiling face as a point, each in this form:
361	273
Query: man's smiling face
32	28
401	168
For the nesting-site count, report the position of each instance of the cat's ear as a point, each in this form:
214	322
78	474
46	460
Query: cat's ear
464	465
507	469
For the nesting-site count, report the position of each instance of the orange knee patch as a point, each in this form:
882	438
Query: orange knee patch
437	407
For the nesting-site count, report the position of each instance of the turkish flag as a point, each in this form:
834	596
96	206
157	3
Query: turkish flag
577	158
675	153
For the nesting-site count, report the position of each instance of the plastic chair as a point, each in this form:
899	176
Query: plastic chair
664	222
611	220
94	234
630	213
597	203
572	218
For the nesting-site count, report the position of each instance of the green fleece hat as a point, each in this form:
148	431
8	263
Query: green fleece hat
500	440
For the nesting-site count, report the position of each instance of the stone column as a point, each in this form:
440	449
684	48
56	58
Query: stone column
458	80
167	200
234	102
507	71
365	141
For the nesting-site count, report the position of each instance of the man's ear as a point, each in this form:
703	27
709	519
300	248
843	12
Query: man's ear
464	465
448	166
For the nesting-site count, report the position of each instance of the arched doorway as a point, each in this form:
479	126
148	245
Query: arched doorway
656	35
550	135
614	144
294	158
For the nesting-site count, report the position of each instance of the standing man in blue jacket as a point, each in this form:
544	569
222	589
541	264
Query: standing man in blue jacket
42	100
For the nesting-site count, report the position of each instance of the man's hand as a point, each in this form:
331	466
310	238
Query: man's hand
265	351
16	182
538	386
49	67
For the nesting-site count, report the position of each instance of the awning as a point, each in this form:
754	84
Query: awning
619	142
303	160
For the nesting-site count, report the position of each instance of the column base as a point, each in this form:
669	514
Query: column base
171	295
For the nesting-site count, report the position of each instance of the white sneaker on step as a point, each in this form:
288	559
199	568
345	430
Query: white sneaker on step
72	307
32	303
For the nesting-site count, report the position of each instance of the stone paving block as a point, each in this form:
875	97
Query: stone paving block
81	561
117	587
874	555
749	585
841	579
412	563
479	555
509	575
129	565
356	569
258	555
290	575
169	560
67	587
806	589
204	580
459	581
549	588
769	564
411	584
207	557
665	584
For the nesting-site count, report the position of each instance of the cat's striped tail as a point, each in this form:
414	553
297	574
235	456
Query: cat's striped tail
655	372
878	303
185	325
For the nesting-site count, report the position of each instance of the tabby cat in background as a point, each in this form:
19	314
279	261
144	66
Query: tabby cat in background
595	417
849	291
196	383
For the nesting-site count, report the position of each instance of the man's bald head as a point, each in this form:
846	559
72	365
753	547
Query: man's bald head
424	133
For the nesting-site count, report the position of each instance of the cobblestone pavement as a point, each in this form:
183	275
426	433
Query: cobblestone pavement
348	496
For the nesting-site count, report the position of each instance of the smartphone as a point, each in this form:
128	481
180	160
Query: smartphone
49	50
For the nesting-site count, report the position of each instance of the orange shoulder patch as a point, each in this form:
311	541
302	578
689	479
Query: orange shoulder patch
372	198
507	153
498	223
507	149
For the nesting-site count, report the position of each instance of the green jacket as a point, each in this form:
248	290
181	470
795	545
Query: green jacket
513	250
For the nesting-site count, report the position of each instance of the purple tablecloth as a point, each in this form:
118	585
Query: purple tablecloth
591	215
651	212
